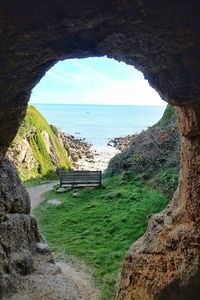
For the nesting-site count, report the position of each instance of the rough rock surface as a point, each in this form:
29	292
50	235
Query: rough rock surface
25	157
161	38
13	196
36	151
21	154
27	269
122	143
77	149
165	262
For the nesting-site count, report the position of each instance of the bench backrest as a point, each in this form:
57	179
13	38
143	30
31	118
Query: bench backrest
80	177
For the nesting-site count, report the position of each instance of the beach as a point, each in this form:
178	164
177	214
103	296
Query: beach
101	158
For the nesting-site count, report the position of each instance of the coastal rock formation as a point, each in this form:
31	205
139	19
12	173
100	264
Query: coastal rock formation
154	153
77	149
160	38
167	121
40	149
122	143
36	151
83	156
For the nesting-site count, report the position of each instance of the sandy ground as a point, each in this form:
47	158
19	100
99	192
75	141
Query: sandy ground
77	274
102	156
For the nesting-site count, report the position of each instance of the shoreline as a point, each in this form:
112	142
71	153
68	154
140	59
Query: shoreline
99	162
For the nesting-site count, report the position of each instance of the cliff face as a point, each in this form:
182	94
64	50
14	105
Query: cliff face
77	149
40	149
36	150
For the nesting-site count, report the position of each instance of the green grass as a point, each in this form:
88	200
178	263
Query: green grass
32	129
168	118
40	181
167	180
38	146
100	225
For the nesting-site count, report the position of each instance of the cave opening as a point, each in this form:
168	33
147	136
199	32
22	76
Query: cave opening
162	40
96	82
92	117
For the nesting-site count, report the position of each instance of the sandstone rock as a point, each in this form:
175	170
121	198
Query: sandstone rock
77	149
74	157
22	156
23	254
164	261
89	155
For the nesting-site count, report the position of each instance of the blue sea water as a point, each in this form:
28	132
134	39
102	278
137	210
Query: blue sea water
100	123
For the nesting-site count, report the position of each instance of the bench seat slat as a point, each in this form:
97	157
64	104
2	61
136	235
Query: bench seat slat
80	178
75	181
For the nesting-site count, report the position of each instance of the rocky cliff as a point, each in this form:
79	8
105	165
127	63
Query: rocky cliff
40	149
36	151
77	149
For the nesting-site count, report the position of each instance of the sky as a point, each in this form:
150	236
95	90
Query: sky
94	81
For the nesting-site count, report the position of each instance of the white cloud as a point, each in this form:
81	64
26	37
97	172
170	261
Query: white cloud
76	82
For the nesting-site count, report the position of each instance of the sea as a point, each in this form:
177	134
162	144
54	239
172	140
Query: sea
100	123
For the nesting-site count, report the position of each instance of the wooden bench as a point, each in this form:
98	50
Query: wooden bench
80	178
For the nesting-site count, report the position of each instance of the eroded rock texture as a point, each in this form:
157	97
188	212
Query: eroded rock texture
162	39
165	262
27	269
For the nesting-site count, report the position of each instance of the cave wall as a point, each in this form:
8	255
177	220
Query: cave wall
20	240
162	39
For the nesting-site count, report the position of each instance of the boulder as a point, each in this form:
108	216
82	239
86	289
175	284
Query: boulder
13	196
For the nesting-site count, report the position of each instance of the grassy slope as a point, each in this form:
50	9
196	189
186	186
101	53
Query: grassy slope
100	225
154	154
167	176
35	122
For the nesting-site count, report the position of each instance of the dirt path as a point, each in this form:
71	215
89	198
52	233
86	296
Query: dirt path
76	274
36	192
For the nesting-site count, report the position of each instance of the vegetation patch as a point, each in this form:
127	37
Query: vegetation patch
154	154
42	157
99	225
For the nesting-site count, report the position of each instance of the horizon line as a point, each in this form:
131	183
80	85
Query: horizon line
98	104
